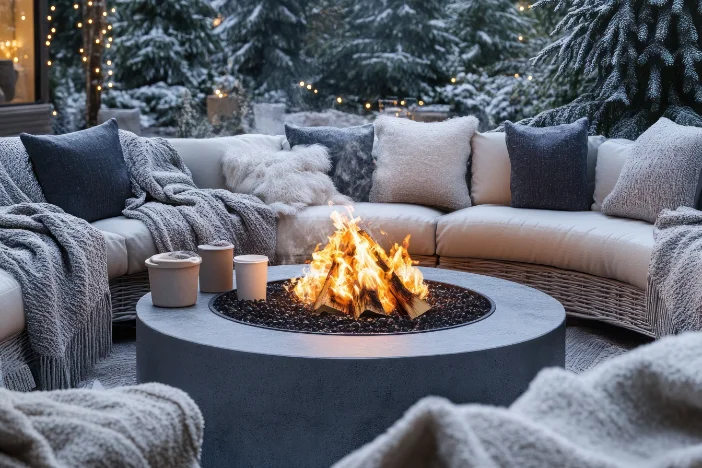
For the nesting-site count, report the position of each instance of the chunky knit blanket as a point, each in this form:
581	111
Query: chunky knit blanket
181	216
675	272
640	409
149	425
60	263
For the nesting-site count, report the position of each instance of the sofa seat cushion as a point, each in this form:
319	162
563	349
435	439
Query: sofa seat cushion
588	242
138	242
11	307
299	234
117	257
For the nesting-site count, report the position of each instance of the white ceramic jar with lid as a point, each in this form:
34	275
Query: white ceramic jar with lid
173	278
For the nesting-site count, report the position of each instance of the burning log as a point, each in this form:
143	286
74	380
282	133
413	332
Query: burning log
352	274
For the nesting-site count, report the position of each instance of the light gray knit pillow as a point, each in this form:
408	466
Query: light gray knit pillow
662	171
423	163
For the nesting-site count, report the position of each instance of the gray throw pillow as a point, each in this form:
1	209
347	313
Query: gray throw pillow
662	171
549	166
350	151
83	172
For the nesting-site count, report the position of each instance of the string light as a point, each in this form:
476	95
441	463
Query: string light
521	7
109	62
309	86
453	80
368	106
109	39
23	17
97	41
109	26
107	45
109	72
48	43
81	51
97	70
421	103
90	3
302	84
339	100
99	88
48	36
402	103
521	38
53	8
85	59
104	13
316	91
530	77
53	30
90	21
75	6
516	75
15	60
48	63
113	10
80	25
109	84
48	17
54	113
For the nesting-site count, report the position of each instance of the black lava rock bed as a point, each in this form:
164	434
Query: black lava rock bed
451	306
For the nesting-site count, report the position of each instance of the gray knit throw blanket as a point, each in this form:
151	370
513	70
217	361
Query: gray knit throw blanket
640	409
179	215
674	292
143	426
60	263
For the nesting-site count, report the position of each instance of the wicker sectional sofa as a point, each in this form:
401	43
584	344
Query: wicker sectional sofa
594	264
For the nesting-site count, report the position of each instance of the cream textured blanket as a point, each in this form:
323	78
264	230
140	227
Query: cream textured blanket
641	409
149	425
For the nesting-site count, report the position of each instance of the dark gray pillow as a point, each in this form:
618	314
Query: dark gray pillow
84	172
549	166
350	151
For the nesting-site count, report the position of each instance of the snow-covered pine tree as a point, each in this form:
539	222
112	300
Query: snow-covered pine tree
263	40
389	48
489	31
170	42
644	57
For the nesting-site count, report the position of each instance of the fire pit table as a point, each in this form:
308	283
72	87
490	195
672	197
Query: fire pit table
274	397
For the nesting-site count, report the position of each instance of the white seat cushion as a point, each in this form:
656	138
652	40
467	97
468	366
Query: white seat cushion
298	235
203	156
11	307
138	242
584	241
117	257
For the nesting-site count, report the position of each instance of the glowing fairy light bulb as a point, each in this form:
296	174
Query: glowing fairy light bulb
339	100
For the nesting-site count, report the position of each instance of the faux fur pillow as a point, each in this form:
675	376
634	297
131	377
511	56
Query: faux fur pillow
423	163
286	180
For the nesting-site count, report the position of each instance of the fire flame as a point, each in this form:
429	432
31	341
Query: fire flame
360	266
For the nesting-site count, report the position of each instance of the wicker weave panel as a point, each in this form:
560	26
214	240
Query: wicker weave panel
582	295
126	292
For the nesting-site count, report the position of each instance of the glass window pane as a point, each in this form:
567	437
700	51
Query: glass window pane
17	60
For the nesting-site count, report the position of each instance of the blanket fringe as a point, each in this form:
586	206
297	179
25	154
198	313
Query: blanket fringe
92	342
658	314
15	371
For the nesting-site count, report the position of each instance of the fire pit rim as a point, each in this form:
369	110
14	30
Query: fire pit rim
210	306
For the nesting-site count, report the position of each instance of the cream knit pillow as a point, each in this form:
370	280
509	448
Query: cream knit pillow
423	163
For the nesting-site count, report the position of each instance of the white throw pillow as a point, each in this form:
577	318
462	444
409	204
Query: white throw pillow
286	180
611	157
491	169
423	163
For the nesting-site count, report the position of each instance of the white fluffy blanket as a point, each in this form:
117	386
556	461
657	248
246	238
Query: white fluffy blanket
150	425
287	180
641	409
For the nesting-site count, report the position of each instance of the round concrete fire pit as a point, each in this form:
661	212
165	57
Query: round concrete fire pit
278	398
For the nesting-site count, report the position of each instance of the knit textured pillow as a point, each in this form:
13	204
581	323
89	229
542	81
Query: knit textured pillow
662	171
549	166
350	151
423	163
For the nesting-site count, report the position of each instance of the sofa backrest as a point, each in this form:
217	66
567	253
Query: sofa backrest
204	156
491	169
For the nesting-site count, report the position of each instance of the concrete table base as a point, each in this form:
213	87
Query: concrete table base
274	398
